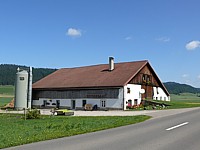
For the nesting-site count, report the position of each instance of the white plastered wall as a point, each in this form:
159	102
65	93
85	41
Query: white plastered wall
133	95
110	103
159	94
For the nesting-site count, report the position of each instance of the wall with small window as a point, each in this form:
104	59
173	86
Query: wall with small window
79	103
159	94
132	95
102	102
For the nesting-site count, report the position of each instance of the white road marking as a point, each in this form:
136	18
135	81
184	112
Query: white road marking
182	124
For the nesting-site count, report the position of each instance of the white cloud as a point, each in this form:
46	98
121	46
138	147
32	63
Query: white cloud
192	45
185	75
72	32
128	38
198	77
163	39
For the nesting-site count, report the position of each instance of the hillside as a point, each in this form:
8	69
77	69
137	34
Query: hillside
8	73
177	88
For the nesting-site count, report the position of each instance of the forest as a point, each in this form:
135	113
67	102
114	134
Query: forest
177	88
8	73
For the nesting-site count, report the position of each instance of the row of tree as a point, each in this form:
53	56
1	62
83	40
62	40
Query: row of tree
8	73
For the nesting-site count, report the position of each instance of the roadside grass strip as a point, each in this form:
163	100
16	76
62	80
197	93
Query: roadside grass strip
16	131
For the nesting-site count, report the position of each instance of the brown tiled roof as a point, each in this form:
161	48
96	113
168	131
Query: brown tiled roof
91	76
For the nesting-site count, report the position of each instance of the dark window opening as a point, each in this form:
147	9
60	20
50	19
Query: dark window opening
21	78
129	102
84	102
103	103
135	102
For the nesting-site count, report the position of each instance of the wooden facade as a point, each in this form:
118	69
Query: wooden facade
148	79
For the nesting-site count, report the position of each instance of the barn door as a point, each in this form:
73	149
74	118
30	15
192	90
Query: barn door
57	103
73	104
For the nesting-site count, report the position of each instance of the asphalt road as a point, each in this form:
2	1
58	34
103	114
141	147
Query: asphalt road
175	132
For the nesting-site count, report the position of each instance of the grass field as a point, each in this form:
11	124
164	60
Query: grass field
16	131
7	90
6	94
5	100
184	100
185	97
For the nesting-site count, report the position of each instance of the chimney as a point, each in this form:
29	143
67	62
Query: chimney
111	64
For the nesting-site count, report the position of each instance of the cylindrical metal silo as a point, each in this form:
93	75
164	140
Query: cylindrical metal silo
21	89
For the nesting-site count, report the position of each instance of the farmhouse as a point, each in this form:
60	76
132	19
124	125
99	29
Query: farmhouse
107	86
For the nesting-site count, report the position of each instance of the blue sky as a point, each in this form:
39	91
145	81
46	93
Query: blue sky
71	33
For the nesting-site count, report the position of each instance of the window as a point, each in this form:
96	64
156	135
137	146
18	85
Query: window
143	77
157	90
128	90
44	103
146	78
161	98
84	102
21	78
135	102
103	103
129	102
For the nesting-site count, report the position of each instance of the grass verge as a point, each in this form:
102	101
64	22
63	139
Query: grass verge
182	104
5	100
6	94
16	131
173	105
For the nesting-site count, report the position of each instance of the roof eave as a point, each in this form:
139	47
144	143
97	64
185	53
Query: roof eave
71	88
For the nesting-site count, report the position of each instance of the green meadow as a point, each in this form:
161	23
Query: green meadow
184	100
185	97
6	94
16	131
7	90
